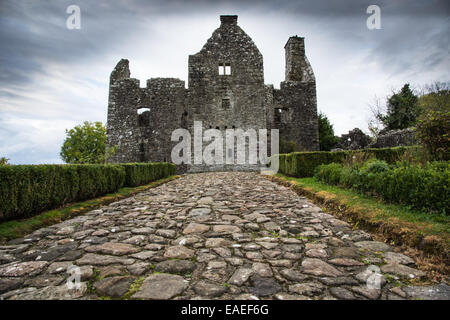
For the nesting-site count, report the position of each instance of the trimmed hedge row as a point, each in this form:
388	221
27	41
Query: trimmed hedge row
424	188
29	189
141	173
303	164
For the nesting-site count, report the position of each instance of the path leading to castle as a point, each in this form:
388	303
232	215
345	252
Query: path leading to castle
208	236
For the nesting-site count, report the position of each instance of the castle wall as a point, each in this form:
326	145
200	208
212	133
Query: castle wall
165	97
227	101
124	97
226	91
295	103
143	136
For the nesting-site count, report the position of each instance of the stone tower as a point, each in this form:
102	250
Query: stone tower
226	90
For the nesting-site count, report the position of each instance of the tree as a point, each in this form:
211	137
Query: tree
402	110
433	125
327	139
86	144
4	161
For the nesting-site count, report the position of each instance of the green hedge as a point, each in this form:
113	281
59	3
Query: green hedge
303	164
29	189
141	173
424	188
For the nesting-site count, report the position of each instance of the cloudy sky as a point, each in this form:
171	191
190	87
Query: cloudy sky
53	78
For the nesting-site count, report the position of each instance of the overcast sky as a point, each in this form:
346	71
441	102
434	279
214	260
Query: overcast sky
53	78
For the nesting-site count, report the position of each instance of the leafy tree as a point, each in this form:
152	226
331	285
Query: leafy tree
402	110
327	139
4	161
433	125
86	144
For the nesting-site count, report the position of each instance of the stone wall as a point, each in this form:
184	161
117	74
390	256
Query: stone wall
395	138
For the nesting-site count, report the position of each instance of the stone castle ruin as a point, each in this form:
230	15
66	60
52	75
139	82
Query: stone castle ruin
226	90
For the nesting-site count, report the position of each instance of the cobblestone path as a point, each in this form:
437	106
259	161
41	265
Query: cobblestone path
208	236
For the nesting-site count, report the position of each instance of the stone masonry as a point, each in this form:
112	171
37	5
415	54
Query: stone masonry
226	91
215	235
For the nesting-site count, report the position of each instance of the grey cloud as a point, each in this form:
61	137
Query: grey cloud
35	43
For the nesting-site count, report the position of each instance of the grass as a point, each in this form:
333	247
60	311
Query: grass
135	286
427	234
18	228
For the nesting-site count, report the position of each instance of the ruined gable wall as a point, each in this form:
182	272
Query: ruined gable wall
165	97
243	90
124	96
296	103
146	136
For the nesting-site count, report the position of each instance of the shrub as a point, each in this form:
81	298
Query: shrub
29	189
433	125
424	188
303	164
141	173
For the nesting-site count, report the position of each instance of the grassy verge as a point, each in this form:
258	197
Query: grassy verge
425	236
18	228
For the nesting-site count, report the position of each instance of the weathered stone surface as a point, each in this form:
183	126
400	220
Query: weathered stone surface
394	257
373	246
403	271
345	252
110	271
114	248
9	284
199	212
138	268
263	287
342	293
367	292
316	253
52	293
179	252
175	266
161	286
209	289
166	233
339	281
102	260
436	292
114	287
240	276
144	255
59	267
346	262
293	275
216	242
307	289
23	268
195	228
226	229
262	269
318	267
